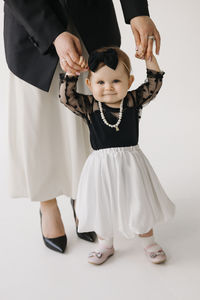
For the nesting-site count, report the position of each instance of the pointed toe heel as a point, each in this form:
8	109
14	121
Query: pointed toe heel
58	244
87	236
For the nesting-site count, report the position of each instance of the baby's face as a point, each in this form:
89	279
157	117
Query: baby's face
108	85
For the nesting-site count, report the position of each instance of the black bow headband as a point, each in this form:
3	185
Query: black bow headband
108	57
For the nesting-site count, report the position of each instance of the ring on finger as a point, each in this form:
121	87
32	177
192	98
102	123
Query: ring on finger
151	37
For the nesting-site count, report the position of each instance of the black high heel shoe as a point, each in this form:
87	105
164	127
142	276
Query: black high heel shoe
57	244
87	236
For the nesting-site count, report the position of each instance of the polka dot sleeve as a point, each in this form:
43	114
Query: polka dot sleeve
80	104
149	89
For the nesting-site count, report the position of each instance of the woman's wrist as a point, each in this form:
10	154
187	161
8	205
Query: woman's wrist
59	36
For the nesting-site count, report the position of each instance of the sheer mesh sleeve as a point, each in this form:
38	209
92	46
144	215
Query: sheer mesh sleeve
148	90
80	104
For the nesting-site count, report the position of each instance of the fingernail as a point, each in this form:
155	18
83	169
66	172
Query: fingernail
77	73
150	58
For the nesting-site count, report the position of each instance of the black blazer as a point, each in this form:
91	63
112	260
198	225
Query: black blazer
30	28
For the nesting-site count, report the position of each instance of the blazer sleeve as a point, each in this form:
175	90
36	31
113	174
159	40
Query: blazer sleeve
39	20
134	8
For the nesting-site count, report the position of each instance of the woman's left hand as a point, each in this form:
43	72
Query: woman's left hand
143	27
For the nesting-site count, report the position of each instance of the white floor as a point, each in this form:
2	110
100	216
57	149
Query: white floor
29	270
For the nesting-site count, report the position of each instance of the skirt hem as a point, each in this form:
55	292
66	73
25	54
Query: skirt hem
41	199
121	232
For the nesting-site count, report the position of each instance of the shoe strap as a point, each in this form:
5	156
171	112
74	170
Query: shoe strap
151	245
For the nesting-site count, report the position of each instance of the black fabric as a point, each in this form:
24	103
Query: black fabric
101	135
132	9
31	26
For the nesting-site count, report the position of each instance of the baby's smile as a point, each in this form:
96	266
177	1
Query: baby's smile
108	85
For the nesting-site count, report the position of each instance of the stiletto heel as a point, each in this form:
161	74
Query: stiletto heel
57	244
87	236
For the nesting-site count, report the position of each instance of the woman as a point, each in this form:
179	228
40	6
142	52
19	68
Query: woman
48	148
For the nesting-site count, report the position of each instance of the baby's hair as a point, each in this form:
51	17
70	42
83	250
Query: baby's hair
122	57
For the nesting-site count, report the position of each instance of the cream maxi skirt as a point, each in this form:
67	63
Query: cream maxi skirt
48	144
120	192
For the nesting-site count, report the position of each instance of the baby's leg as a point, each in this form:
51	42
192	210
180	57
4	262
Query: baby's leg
105	243
149	233
153	251
103	252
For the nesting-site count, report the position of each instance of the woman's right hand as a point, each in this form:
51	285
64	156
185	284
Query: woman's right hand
69	50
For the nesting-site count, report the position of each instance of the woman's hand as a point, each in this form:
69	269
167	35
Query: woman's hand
143	27
69	50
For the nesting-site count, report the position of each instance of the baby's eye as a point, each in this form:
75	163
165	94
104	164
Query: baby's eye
116	80
100	82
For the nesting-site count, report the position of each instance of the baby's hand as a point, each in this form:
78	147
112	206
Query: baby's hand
140	53
83	63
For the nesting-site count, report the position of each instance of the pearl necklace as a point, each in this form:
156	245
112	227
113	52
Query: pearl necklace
116	125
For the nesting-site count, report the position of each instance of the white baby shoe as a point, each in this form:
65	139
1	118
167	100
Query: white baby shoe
99	256
155	253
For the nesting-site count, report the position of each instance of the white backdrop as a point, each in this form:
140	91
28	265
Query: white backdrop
169	130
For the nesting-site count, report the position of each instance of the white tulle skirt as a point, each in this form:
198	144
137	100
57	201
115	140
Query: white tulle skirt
119	191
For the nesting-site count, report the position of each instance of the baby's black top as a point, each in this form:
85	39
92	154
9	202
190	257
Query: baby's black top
101	135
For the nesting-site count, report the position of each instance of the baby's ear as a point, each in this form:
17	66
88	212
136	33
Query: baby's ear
131	79
88	83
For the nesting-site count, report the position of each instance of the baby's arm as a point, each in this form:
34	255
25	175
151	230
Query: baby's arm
78	103
148	90
152	64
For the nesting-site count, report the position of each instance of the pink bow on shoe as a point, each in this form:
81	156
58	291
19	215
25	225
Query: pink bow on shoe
98	257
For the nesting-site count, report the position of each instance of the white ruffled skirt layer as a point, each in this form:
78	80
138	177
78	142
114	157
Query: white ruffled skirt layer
119	191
